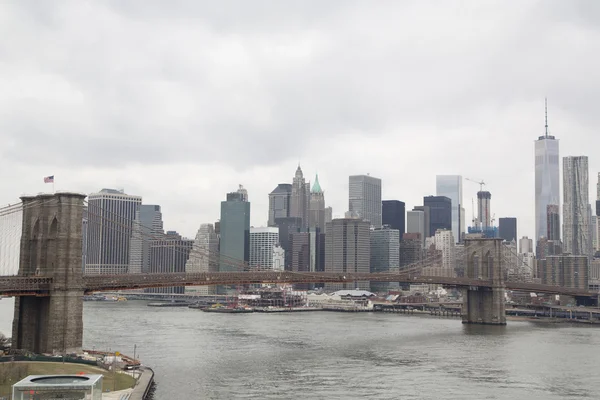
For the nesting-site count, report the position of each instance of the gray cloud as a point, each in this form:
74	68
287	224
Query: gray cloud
217	94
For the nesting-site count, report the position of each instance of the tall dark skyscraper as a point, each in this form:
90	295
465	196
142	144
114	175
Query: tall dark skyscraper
234	231
288	226
279	202
440	213
507	228
394	214
553	222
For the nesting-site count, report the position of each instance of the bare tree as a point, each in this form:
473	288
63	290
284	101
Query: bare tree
4	341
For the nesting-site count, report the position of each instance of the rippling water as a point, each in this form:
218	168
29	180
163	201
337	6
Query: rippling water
343	356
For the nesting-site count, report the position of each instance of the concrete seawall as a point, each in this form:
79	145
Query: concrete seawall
143	385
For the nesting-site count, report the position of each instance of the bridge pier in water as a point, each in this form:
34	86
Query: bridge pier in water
51	246
484	304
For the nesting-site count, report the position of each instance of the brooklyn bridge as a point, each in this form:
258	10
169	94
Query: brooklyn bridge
49	283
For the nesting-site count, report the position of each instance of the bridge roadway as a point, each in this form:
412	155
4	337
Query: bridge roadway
41	286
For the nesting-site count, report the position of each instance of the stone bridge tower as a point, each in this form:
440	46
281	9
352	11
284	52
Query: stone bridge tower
484	304
51	246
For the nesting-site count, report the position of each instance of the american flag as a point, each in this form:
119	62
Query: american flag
49	179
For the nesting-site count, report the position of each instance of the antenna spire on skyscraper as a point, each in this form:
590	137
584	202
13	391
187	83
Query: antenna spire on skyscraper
546	112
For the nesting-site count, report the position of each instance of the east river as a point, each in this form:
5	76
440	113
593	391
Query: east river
323	355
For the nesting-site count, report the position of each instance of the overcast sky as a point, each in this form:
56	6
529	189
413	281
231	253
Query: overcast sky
181	101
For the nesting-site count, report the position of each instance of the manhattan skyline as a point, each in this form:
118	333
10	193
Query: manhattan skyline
182	128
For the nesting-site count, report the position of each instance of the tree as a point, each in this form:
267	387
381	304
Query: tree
4	341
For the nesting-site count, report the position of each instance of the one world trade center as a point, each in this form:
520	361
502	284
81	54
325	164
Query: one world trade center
547	194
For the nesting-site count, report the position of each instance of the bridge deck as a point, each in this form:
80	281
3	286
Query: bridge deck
40	285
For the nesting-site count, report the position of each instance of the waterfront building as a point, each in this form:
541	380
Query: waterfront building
300	197
111	215
263	242
148	225
440	213
565	270
393	214
576	230
385	256
507	228
316	207
279	202
169	255
547	190
204	257
348	249
234	228
451	186
278	258
364	198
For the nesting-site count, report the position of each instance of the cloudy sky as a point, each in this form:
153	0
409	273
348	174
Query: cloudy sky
181	101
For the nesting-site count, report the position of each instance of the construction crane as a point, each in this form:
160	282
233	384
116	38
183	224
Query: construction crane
480	183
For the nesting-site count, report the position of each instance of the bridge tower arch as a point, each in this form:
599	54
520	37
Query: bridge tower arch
484	304
51	246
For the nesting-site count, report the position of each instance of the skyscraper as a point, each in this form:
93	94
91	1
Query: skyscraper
299	197
385	255
348	249
148	226
279	202
168	255
525	245
484	199
444	241
263	242
111	215
546	179
576	230
415	223
508	228
597	212
204	257
393	214
316	207
235	232
364	198
451	186
440	213
553	222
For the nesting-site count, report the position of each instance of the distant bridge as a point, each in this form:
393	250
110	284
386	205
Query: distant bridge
42	286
